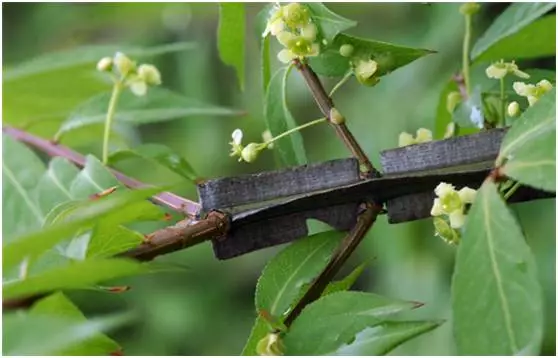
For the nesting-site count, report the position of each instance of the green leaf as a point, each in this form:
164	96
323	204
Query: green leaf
21	171
496	295
231	37
59	305
54	185
259	331
284	276
513	20
158	105
528	151
77	275
328	22
107	241
537	39
334	320
115	209
381	339
279	119
347	282
87	55
388	56
159	154
33	334
92	179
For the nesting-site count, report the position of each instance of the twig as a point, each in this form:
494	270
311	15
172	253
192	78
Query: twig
185	233
170	200
344	251
326	104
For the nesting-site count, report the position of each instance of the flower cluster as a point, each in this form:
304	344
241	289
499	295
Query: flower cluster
137	78
501	69
452	204
292	26
532	92
423	135
248	153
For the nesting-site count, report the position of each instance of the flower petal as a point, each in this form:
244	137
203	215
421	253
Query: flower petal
437	209
138	87
237	136
457	219
444	189
285	56
467	195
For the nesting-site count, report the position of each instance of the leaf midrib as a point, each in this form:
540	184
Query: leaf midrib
23	194
497	276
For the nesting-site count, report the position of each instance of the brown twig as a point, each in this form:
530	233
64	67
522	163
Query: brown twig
344	251
170	200
326	105
185	233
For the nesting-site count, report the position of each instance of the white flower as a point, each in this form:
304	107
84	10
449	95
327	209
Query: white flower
366	69
545	85
123	64
523	89
236	143
532	92
467	195
275	24
457	219
444	189
104	64
496	71
150	74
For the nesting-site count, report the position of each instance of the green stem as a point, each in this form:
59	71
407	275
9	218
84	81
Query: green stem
305	125
511	190
116	90
341	83
503	100
466	50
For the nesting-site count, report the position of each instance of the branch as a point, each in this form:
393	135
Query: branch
344	251
170	200
183	234
326	104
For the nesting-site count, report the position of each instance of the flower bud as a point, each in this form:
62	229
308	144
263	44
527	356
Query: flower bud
450	130
364	72
250	152
453	99
123	64
270	345
423	135
545	85
346	50
406	139
469	8
150	74
513	109
104	64
336	117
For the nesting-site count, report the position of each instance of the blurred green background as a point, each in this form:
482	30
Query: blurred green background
207	308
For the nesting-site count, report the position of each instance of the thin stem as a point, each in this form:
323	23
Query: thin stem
503	102
170	200
466	50
305	125
116	90
341	83
344	251
512	190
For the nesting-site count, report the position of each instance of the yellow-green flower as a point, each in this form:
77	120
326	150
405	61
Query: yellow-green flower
452	203
500	69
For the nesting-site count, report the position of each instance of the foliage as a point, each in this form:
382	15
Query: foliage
64	225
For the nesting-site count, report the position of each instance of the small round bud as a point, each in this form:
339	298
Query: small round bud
423	135
469	8
513	109
104	64
250	152
123	64
453	99
545	85
336	117
450	130
150	74
346	50
406	139
364	72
